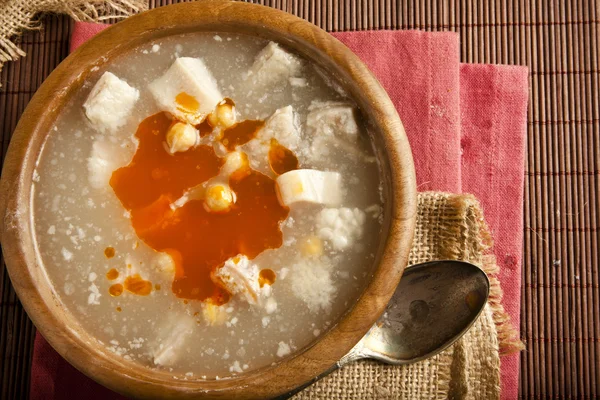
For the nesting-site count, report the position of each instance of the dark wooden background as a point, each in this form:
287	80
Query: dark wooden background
559	41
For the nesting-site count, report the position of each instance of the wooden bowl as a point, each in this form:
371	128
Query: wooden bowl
28	273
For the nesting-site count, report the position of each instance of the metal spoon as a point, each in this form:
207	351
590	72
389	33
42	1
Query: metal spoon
434	305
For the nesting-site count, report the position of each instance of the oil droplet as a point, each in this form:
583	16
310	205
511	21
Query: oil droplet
119	309
204	128
157	287
281	159
266	276
109	252
137	285
241	133
112	274
186	103
115	290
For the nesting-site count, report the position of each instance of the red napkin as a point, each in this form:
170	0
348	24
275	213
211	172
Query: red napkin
420	72
493	105
466	125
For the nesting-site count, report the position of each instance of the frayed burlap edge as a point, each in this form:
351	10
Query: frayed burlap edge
475	228
17	16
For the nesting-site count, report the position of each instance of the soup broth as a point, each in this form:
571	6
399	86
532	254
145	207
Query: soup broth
208	243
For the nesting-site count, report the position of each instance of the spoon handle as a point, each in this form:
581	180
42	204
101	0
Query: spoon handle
353	355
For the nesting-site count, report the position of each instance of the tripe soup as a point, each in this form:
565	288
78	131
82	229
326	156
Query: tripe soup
208	204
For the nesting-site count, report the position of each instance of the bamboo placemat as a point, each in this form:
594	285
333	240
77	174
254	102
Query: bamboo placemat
559	41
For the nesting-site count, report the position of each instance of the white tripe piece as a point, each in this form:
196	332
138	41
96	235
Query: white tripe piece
192	77
332	118
340	226
240	277
332	125
110	103
312	283
281	126
171	339
272	68
311	186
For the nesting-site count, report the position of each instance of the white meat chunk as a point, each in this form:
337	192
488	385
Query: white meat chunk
309	185
187	90
110	103
272	67
240	277
105	157
171	340
281	126
341	227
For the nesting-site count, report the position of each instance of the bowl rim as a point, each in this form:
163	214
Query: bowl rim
16	226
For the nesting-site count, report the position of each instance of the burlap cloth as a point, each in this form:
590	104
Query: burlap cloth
448	227
18	15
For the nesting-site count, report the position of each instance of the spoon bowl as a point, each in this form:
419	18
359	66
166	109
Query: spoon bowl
433	306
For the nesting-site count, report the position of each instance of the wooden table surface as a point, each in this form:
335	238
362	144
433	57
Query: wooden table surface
559	41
